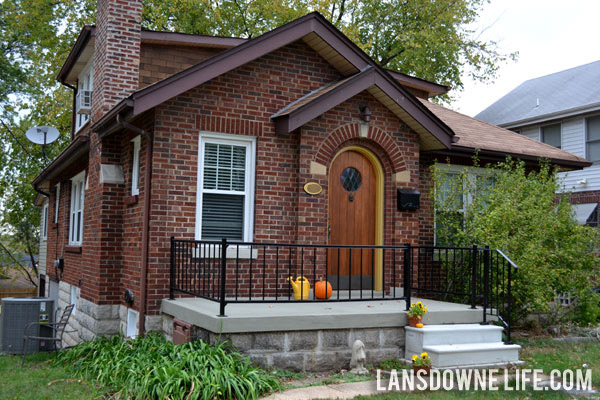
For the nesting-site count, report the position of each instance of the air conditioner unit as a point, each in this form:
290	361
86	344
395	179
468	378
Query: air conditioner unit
16	314
83	102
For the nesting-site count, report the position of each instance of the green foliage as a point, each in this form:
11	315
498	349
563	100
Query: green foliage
150	367
517	211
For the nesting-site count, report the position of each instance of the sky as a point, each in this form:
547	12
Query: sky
550	36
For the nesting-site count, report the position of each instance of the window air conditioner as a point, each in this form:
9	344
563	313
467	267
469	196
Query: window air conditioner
83	102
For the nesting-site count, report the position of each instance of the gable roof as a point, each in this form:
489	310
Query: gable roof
319	34
567	91
475	135
381	85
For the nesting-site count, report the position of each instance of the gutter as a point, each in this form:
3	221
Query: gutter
146	218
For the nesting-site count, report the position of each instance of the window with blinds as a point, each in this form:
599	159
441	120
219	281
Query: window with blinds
225	193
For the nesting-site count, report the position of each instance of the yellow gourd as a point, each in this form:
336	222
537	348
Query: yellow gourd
419	325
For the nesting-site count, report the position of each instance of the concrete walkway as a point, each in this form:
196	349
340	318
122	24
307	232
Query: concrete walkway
339	391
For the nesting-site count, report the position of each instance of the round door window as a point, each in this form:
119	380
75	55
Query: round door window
351	179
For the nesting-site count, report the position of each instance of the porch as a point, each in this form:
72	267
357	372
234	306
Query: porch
297	316
240	291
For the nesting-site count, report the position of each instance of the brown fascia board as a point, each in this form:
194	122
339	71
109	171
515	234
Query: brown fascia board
501	156
184	39
288	122
84	36
168	88
432	88
73	151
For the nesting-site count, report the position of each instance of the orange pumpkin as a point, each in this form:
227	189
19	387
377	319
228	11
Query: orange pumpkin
323	290
419	325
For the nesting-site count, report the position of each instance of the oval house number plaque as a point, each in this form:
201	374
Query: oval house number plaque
313	188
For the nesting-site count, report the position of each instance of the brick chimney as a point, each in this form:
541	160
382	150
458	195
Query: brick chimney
116	53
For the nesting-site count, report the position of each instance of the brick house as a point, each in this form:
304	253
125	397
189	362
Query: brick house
203	137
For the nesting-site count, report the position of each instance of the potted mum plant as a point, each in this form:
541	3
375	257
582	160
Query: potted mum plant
422	362
415	314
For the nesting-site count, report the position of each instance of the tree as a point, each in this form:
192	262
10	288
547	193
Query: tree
427	38
517	211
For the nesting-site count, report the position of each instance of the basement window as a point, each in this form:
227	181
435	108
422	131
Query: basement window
132	319
135	166
76	212
226	186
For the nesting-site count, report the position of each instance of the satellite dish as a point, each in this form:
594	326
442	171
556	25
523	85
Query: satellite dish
42	134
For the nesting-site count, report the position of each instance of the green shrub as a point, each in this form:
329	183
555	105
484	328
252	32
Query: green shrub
152	368
512	208
587	309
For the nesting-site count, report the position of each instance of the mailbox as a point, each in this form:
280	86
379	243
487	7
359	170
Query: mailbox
408	199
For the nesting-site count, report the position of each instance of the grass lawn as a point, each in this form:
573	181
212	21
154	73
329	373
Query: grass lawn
38	379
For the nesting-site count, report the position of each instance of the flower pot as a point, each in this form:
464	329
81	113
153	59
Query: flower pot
426	370
413	321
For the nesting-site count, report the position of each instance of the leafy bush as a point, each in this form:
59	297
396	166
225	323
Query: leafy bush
152	368
511	208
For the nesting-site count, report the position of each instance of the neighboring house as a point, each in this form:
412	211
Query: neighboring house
561	110
200	137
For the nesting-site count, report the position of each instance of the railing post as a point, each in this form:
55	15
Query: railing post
486	282
474	278
407	274
172	283
222	303
509	306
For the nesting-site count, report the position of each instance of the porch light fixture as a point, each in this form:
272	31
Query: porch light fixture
365	113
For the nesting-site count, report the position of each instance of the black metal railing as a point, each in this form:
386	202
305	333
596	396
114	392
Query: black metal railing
242	272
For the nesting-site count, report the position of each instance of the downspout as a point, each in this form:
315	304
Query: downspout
146	219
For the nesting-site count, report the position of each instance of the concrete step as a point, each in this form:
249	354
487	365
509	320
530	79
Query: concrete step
474	354
417	338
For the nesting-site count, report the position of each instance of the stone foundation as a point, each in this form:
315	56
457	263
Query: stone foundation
313	350
89	319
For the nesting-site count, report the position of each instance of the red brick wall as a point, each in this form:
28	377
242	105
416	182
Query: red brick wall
241	102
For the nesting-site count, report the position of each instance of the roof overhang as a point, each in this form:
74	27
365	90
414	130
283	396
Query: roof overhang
491	155
434	134
432	88
78	57
577	111
78	147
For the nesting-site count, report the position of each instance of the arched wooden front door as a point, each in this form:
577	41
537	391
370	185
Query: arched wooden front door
352	220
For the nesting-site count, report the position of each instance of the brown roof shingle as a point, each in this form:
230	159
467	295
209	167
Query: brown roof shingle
471	133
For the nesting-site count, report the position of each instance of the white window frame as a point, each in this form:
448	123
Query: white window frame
472	173
77	181
56	202
249	142
135	166
45	221
85	81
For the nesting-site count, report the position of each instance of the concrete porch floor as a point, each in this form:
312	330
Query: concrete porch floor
273	317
